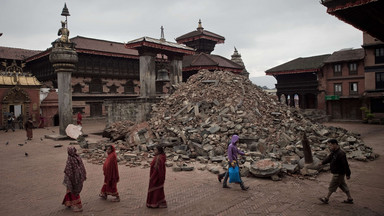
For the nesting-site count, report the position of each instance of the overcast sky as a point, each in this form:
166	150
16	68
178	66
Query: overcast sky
265	32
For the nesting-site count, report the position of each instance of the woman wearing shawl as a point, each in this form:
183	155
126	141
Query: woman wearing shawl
233	162
156	197
28	127
74	177
111	175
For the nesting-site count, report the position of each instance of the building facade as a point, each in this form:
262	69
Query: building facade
105	70
297	82
343	84
374	75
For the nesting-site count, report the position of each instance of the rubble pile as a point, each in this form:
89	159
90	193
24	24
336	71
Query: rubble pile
198	119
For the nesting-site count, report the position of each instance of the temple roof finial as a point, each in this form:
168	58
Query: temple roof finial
162	34
200	27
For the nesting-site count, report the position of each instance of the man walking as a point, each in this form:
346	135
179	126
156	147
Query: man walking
339	169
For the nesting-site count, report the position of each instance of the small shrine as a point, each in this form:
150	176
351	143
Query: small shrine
149	49
19	94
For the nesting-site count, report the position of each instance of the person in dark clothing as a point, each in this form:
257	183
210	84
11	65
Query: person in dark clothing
10	123
28	128
339	169
20	121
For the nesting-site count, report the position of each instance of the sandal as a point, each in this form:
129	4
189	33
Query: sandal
324	200
77	209
103	196
117	199
348	201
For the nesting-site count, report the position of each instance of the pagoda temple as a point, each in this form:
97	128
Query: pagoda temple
204	43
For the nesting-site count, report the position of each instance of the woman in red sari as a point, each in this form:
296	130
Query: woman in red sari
111	176
74	177
156	197
79	118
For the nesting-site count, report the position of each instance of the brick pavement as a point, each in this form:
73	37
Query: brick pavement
33	185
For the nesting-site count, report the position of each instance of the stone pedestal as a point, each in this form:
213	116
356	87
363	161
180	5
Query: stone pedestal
147	75
63	58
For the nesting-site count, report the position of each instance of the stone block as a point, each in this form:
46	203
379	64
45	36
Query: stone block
265	168
129	156
291	168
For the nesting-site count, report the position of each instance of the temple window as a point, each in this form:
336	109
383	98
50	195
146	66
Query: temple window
96	86
77	88
129	87
113	88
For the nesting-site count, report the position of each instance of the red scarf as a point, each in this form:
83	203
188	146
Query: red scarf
110	168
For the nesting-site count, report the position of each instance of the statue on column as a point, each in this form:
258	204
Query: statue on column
63	32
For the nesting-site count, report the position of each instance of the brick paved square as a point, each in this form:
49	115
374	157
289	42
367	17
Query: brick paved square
33	185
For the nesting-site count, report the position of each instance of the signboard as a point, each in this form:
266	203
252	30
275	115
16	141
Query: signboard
332	97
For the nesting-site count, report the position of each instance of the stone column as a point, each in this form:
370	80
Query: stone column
63	58
292	100
303	101
147	75
176	70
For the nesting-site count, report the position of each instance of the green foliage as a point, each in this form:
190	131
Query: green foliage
367	114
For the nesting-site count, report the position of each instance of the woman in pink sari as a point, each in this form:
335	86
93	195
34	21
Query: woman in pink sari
74	177
111	176
156	196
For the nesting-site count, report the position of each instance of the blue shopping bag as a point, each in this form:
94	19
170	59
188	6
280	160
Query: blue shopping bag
234	174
